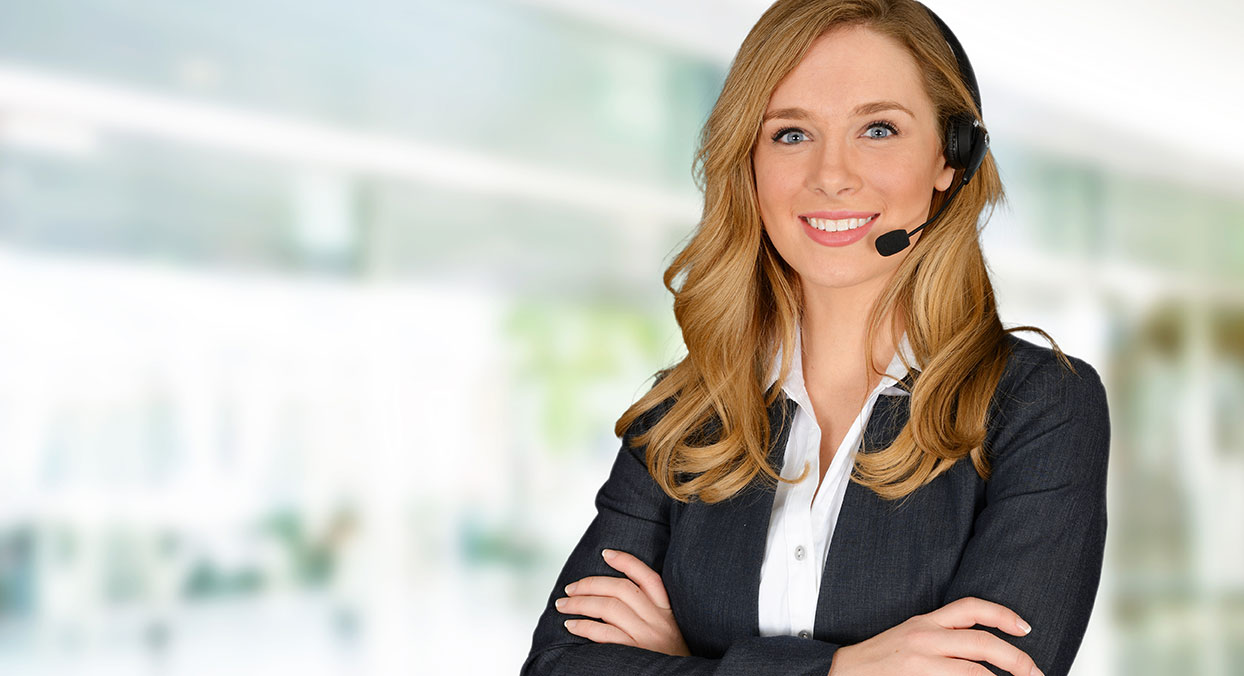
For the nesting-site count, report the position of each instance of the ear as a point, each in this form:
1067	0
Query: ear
945	175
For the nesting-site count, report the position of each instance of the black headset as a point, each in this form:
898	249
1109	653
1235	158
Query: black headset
967	141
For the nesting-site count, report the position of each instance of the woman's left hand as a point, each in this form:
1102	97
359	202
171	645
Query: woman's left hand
636	610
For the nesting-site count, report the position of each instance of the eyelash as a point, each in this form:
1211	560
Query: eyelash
875	123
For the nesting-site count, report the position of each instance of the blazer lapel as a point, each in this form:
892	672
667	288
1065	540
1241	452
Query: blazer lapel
863	518
751	511
716	552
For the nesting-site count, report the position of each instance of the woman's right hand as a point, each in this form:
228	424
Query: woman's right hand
941	643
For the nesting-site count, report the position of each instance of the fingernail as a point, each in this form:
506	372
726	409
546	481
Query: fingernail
559	603
608	554
570	623
1035	671
570	587
1024	627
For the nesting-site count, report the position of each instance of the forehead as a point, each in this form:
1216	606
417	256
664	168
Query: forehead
850	65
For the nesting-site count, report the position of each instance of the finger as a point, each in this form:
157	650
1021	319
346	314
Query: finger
599	632
970	611
648	579
617	587
607	608
626	591
620	588
982	646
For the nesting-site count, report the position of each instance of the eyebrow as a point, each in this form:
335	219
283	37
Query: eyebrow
863	109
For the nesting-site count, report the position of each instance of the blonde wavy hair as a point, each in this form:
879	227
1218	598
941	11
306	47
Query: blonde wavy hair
737	302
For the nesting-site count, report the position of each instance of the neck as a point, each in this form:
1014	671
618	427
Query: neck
835	328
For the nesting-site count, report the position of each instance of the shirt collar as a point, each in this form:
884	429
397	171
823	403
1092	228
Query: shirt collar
895	373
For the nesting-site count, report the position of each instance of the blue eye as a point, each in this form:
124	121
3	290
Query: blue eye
882	125
789	131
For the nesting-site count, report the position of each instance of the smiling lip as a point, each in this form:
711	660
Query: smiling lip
838	238
837	215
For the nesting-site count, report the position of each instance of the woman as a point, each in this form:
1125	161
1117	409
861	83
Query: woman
833	395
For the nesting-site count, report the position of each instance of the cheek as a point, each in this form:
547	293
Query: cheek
769	200
903	182
765	187
775	182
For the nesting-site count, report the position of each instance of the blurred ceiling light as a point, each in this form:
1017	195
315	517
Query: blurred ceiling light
47	134
285	139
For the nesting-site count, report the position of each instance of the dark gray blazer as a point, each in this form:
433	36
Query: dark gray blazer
1030	538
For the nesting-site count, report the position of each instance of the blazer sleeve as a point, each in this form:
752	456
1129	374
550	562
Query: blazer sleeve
633	514
1038	541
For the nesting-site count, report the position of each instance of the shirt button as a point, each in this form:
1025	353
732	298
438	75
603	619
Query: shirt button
805	634
799	553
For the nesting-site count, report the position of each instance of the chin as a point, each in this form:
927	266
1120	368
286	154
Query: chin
839	281
849	276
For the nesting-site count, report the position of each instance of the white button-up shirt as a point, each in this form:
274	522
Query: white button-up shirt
800	528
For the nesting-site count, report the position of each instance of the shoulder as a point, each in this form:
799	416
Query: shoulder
1035	371
648	418
1042	403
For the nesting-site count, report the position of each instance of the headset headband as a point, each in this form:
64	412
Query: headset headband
965	66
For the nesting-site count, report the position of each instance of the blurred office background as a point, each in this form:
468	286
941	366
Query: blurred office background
315	317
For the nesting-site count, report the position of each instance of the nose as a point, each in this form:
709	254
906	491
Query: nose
833	169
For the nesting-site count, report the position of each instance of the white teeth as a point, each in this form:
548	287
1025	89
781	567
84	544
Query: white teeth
837	225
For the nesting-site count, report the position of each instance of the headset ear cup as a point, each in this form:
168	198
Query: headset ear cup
958	142
976	154
966	144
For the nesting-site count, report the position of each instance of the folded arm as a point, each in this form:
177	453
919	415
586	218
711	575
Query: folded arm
1038	542
633	515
